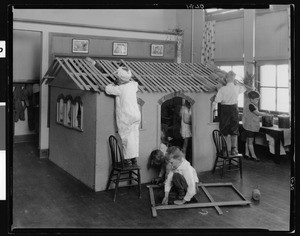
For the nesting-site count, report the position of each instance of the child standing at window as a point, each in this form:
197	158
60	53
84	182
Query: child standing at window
128	116
251	123
227	96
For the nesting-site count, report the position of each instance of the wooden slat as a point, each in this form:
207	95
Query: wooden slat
146	71
238	192
50	69
155	77
208	85
214	184
71	76
160	67
84	75
211	199
107	68
83	64
207	78
57	69
191	78
74	73
182	77
151	193
176	81
205	204
98	75
147	85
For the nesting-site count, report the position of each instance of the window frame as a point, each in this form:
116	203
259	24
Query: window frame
141	103
60	97
258	86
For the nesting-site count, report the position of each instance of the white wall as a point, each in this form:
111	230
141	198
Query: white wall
137	24
137	19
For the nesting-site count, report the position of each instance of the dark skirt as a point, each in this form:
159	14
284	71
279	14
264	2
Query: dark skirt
249	134
229	120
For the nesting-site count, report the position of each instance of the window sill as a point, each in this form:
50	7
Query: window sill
213	123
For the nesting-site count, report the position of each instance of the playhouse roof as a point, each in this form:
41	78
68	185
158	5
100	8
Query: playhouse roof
151	76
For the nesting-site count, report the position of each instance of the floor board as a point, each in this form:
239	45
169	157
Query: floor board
45	196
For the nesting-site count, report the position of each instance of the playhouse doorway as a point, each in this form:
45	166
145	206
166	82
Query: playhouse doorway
171	126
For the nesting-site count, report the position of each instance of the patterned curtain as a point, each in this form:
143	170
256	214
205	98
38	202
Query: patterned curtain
208	43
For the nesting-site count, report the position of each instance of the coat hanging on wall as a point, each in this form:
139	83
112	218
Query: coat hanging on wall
18	106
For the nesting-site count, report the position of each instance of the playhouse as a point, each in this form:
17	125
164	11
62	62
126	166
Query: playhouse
81	118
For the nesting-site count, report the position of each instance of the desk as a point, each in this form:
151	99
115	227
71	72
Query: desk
280	136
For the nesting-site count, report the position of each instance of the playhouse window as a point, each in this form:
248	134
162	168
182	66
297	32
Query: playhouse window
77	113
140	104
60	109
68	111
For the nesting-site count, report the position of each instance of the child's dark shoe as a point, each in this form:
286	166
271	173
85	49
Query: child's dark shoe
127	163
193	200
134	161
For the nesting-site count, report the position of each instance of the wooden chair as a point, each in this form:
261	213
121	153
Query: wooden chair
224	161
120	172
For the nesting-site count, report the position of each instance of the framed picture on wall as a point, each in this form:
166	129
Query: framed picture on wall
120	49
80	46
157	50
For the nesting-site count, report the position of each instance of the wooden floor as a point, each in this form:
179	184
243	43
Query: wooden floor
45	196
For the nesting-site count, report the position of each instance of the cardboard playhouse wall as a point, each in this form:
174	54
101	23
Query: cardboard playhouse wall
85	155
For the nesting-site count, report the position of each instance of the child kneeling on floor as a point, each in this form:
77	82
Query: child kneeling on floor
181	182
159	162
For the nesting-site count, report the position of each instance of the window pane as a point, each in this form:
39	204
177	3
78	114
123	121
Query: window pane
283	100
239	70
225	68
282	76
267	99
267	75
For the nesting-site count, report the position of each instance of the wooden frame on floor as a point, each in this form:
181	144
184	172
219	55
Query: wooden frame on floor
212	203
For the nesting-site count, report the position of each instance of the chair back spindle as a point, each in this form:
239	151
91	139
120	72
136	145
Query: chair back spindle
116	153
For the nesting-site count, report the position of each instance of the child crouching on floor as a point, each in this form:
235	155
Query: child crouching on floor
180	185
159	162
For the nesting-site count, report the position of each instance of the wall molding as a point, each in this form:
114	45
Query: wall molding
90	26
44	153
26	138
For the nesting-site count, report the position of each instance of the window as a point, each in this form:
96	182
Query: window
68	111
60	109
274	88
239	70
77	113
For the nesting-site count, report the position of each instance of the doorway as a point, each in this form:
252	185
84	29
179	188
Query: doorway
172	129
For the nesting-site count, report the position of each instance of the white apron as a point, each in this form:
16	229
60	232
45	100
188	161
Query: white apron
128	116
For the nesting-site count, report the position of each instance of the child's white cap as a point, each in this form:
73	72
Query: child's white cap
123	73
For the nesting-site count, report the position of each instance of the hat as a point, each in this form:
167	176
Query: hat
123	73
